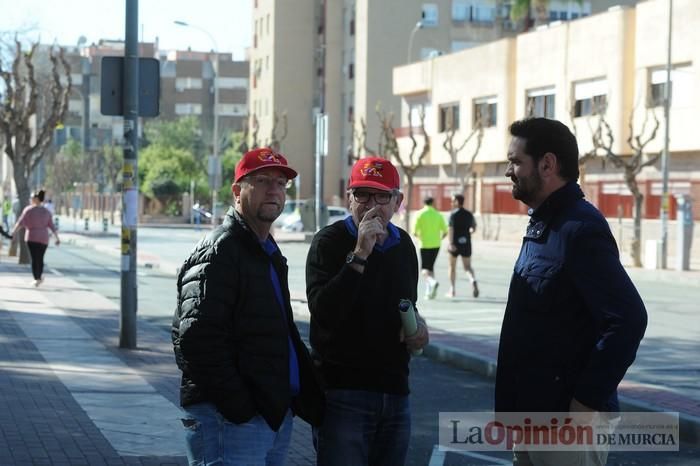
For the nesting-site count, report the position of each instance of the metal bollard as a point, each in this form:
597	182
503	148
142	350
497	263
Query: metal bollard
104	225
87	224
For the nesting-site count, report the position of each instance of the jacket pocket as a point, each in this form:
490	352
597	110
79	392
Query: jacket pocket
538	285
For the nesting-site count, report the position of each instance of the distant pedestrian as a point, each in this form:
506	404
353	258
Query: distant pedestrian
245	370
461	226
5	234
574	319
50	207
6	211
37	222
430	228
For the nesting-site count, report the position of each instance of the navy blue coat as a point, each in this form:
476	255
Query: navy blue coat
574	320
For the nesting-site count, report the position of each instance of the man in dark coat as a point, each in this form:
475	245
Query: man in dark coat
574	320
245	370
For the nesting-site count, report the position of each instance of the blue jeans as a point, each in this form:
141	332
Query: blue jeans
212	440
363	428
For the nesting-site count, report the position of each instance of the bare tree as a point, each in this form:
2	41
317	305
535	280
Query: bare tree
453	148
278	133
409	162
603	140
32	106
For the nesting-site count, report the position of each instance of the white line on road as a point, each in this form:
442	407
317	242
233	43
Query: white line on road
437	457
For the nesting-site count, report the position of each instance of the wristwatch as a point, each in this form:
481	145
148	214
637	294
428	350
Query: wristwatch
351	258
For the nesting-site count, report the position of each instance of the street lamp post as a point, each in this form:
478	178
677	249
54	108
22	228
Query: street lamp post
665	201
415	29
214	163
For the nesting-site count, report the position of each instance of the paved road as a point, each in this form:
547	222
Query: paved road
458	390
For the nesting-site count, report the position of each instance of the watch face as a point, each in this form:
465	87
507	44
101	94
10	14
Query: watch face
349	258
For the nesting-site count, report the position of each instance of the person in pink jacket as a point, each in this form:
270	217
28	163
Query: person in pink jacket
36	220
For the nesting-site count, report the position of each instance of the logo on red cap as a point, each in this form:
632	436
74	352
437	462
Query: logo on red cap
269	156
372	169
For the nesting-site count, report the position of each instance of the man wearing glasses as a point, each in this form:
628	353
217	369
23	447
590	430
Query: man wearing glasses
357	271
245	370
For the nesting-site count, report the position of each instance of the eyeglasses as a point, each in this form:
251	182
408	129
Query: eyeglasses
381	197
264	181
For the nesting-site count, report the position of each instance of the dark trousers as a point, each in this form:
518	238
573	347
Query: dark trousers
37	250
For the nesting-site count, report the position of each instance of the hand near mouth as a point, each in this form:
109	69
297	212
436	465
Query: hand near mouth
370	230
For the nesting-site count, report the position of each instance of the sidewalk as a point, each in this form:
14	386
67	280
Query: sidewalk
69	395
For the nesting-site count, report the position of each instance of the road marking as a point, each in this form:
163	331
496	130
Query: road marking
437	457
56	272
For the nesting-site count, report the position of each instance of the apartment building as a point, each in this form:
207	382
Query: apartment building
612	62
187	88
336	57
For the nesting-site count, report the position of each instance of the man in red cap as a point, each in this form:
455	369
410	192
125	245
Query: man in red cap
357	271
245	370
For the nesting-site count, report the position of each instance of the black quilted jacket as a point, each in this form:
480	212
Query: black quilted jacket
229	336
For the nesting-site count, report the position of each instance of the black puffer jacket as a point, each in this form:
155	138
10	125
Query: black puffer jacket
229	336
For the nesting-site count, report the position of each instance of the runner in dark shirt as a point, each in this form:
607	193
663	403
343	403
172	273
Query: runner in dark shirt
461	226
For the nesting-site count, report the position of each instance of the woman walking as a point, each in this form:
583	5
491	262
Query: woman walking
37	222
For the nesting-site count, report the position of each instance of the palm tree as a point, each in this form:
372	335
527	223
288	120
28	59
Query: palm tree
523	9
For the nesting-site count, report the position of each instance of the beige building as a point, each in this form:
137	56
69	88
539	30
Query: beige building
337	57
569	71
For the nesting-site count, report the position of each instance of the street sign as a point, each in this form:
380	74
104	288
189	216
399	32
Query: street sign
322	134
111	87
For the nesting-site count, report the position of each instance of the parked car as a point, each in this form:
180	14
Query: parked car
293	221
290	209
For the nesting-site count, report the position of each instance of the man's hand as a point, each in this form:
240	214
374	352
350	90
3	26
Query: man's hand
581	414
369	231
419	339
452	248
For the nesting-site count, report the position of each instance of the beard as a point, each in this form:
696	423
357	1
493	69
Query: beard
526	189
268	213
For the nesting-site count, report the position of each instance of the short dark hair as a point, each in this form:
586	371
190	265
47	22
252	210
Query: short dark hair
428	200
543	135
459	198
39	195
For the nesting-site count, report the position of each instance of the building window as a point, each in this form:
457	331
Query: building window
267	24
352	26
460	10
429	16
351	71
540	103
232	83
590	97
681	85
485	112
449	117
188	109
483	14
188	83
414	113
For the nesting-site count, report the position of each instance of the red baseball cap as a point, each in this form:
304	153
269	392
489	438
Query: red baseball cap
374	172
265	157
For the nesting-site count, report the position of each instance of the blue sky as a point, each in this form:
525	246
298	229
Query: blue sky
228	21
